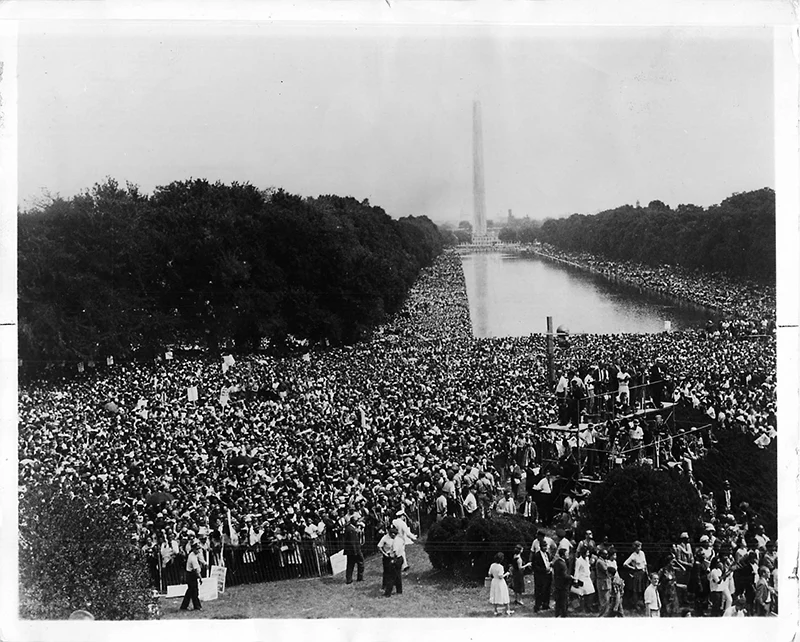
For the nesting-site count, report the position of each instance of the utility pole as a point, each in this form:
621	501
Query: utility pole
550	351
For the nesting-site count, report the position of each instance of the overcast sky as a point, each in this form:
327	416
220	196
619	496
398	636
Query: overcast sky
574	119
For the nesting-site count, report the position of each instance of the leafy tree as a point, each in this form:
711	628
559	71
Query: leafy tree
75	553
737	236
113	271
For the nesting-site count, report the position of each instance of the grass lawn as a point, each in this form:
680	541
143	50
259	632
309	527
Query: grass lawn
427	593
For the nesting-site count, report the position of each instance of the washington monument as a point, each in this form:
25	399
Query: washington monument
478	194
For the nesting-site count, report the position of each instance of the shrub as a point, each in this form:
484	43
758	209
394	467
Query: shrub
641	503
76	553
499	534
467	547
445	544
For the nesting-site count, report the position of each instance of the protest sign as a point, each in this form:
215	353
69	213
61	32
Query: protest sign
338	562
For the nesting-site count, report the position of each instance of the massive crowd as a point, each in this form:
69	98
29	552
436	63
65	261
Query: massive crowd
277	451
748	306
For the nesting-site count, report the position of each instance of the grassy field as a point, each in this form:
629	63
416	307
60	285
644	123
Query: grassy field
427	593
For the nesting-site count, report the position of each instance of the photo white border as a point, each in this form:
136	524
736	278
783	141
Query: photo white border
779	14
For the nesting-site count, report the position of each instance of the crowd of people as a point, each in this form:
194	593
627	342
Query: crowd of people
730	571
748	306
279	453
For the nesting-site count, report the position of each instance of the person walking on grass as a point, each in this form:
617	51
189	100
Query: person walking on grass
498	589
518	568
193	578
353	552
385	546
398	560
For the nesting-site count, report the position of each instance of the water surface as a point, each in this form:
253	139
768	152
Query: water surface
511	295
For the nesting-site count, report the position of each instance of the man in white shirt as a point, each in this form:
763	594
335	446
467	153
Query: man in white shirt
193	577
398	562
544	493
652	600
507	504
386	546
470	505
542	571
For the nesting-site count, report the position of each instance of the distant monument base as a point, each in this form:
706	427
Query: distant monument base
487	238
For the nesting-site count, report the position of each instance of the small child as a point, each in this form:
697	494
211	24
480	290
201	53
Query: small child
615	597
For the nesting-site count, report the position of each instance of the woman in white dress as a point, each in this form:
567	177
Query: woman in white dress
498	590
583	577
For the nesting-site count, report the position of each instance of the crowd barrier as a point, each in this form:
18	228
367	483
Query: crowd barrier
264	562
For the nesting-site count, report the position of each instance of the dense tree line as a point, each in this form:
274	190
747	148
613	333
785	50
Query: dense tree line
736	236
113	271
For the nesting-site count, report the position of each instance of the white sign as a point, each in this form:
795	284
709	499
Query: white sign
191	393
338	562
218	575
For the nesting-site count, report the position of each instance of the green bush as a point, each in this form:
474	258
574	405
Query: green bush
641	503
445	544
468	547
75	553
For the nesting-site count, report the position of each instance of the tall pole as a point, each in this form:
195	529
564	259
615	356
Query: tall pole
550	351
478	192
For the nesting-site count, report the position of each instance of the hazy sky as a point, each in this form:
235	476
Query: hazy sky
574	119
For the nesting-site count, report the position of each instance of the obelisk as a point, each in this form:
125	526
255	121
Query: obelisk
478	194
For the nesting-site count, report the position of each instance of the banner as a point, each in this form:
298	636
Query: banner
168	355
80	367
110	361
338	562
224	397
191	393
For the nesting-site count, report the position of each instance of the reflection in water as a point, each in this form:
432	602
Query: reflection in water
480	317
512	296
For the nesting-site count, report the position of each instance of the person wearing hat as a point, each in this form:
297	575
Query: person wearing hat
193	578
353	552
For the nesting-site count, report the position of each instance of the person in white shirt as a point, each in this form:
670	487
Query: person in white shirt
507	504
738	609
543	493
470	504
403	533
397	563
386	546
652	600
193	577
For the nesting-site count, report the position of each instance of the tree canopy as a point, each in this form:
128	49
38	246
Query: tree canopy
113	271
736	236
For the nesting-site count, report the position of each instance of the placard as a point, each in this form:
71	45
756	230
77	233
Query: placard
338	562
219	575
